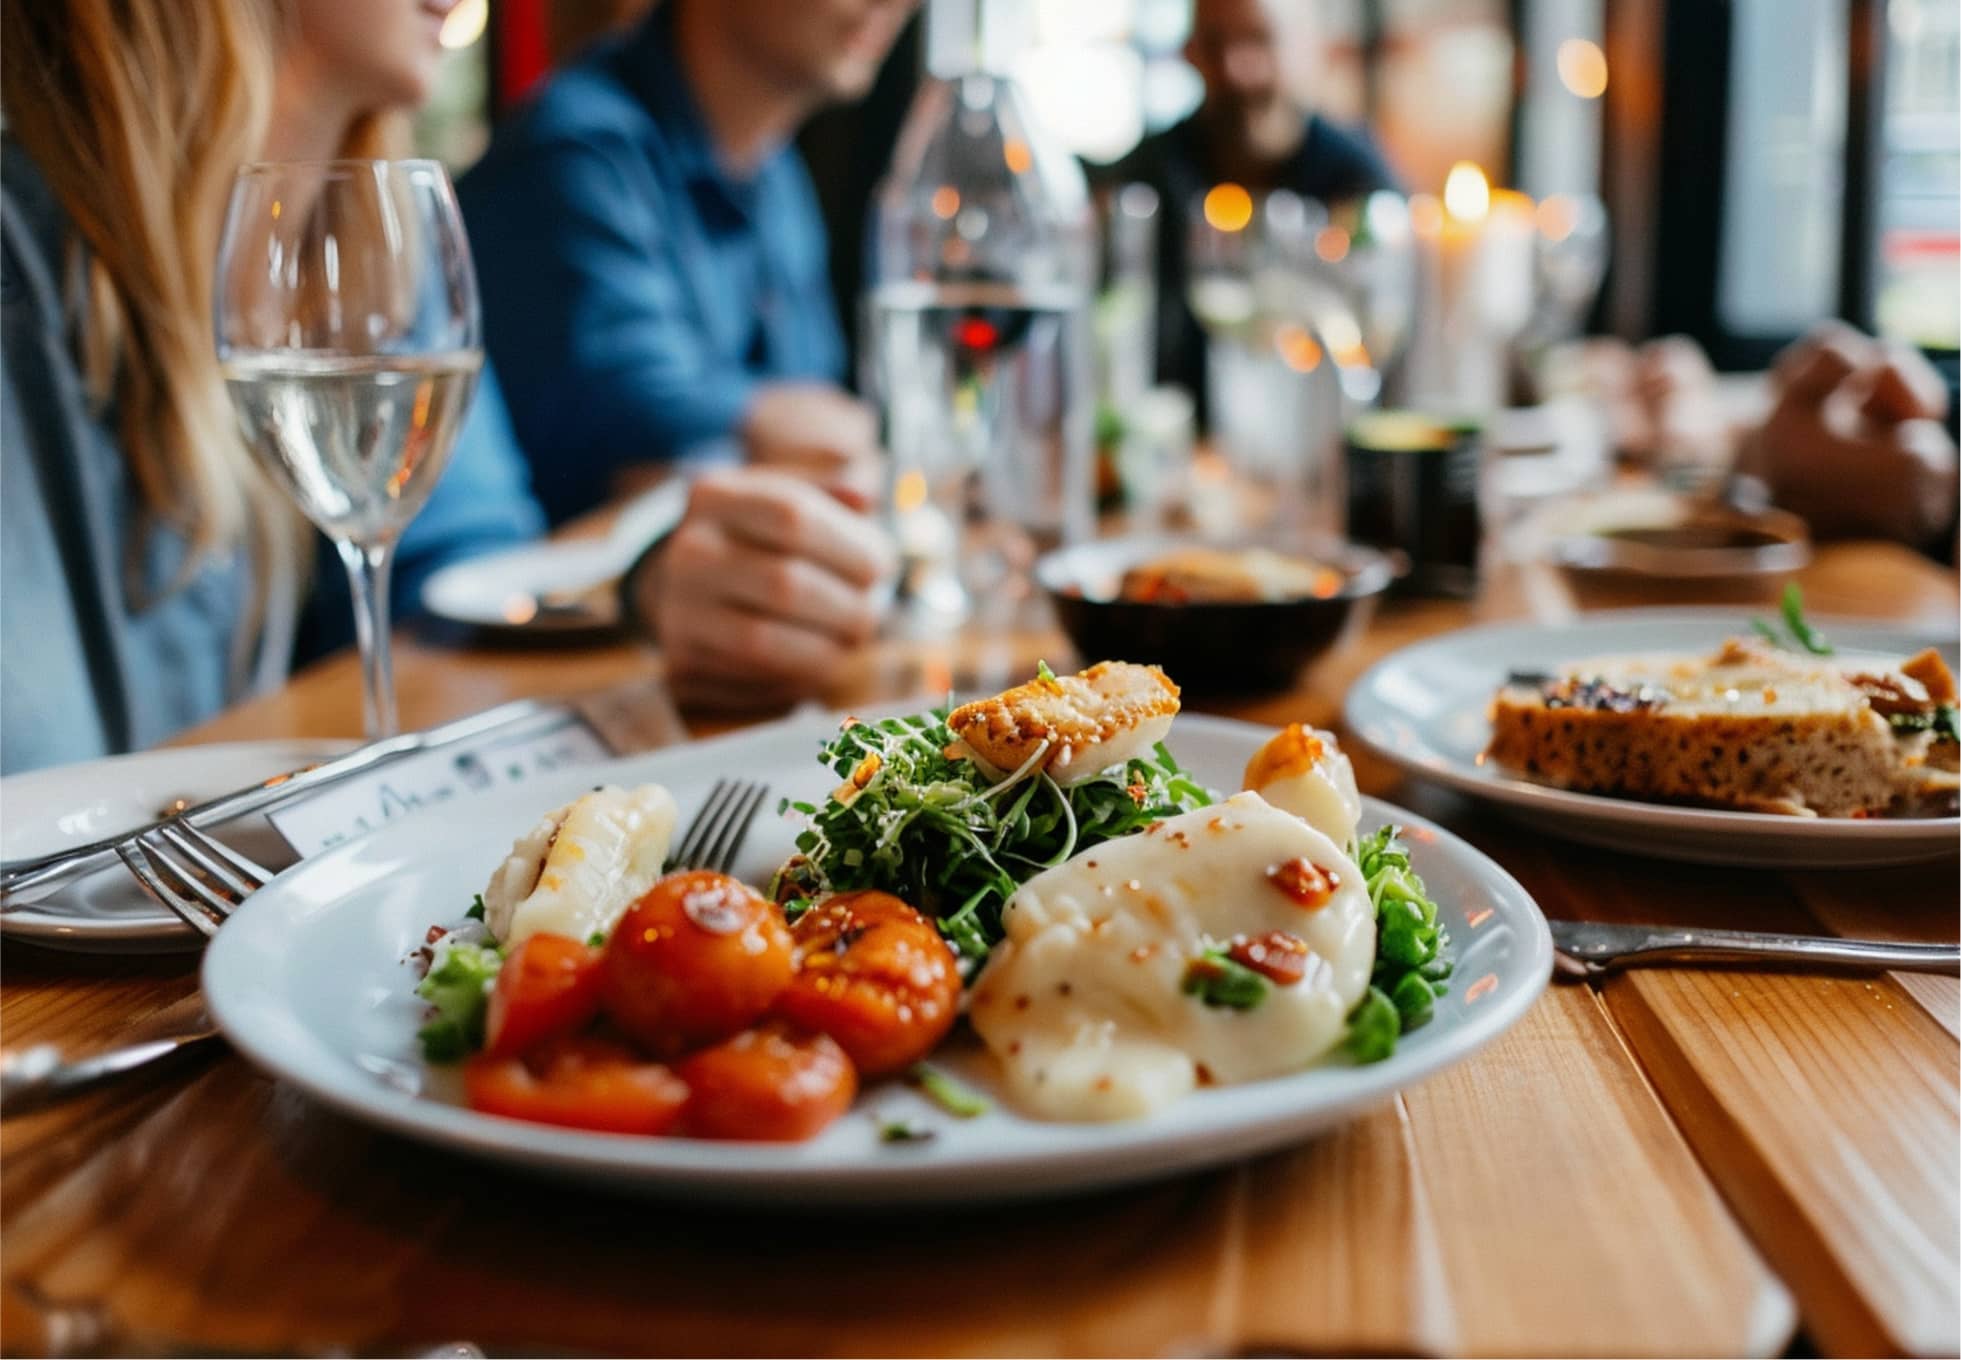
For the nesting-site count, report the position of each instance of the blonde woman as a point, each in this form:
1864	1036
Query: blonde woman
149	572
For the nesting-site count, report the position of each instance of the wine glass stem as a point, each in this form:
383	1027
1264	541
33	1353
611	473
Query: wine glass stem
367	578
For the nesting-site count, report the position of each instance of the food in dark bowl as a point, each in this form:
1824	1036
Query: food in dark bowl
1231	618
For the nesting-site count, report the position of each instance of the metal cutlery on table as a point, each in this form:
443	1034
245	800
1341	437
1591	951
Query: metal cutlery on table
203	881
20	876
1588	949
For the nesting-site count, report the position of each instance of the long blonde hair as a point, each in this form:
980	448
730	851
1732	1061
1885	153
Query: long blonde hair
138	115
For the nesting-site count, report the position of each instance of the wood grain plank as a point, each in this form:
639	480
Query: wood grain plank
1915	903
1546	1159
1827	1109
1337	1248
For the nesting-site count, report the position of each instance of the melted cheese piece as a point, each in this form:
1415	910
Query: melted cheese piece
577	871
1084	1003
1302	771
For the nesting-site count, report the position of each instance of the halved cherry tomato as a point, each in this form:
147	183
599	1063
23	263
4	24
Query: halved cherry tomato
769	1084
580	1082
549	987
874	975
699	957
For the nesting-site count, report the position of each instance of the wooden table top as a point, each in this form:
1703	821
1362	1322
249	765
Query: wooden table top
1671	1162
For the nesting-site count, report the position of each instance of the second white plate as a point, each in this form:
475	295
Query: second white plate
1425	707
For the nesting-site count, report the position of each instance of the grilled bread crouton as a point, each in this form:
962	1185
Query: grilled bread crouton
1080	724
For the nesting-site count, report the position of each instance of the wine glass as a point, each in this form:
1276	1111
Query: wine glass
350	338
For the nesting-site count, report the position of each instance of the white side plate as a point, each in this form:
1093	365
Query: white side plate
44	811
1425	707
309	982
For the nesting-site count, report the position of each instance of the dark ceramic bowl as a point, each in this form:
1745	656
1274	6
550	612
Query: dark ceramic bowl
1209	648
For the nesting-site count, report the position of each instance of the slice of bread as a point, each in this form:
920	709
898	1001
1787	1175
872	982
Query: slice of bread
1751	728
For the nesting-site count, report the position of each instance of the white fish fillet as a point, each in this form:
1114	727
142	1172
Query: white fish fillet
577	871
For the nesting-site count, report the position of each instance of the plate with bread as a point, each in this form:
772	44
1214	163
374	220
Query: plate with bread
1700	735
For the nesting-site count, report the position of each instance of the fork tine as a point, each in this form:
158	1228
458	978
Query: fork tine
737	829
686	854
238	874
163	855
137	855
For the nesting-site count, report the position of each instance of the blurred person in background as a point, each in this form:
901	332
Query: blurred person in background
153	573
652	257
1855	440
1257	58
1853	433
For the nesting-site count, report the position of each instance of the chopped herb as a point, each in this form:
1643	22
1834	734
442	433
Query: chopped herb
903	1131
1220	981
1944	722
1806	637
475	913
596	939
956	1099
1042	672
1373	1027
1411	958
457	989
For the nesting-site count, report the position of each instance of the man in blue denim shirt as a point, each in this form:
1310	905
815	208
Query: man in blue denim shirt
651	256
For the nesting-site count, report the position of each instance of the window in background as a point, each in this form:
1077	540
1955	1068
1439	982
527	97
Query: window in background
1783	196
1919	217
1560	111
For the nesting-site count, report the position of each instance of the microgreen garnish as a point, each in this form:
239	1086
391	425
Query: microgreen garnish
937	832
1806	637
1043	673
475	913
956	1099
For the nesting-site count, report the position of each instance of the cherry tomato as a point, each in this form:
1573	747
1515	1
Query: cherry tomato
771	1084
699	957
548	988
580	1082
874	975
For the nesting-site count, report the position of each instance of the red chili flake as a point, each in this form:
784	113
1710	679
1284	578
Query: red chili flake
1022	1003
1138	792
1305	881
1104	1083
1275	956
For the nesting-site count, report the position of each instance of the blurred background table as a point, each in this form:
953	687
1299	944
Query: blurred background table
1672	1162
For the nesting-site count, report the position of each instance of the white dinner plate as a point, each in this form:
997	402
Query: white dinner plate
309	981
44	811
1425	707
552	586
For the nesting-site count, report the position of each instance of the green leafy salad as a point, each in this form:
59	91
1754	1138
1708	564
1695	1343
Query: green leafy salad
914	820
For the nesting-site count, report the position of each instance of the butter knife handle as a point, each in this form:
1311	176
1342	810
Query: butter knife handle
1816	950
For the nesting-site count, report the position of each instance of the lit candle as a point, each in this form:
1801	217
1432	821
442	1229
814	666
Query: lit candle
1477	248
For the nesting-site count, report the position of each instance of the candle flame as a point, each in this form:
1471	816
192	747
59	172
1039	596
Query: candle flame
1467	193
1228	208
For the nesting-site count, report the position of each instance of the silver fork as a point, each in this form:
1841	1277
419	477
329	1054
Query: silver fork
211	878
718	830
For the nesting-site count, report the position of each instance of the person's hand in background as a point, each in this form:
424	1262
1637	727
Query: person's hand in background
1661	400
762	592
817	432
1854	441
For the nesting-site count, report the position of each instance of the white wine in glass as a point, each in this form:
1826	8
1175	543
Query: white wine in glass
350	339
